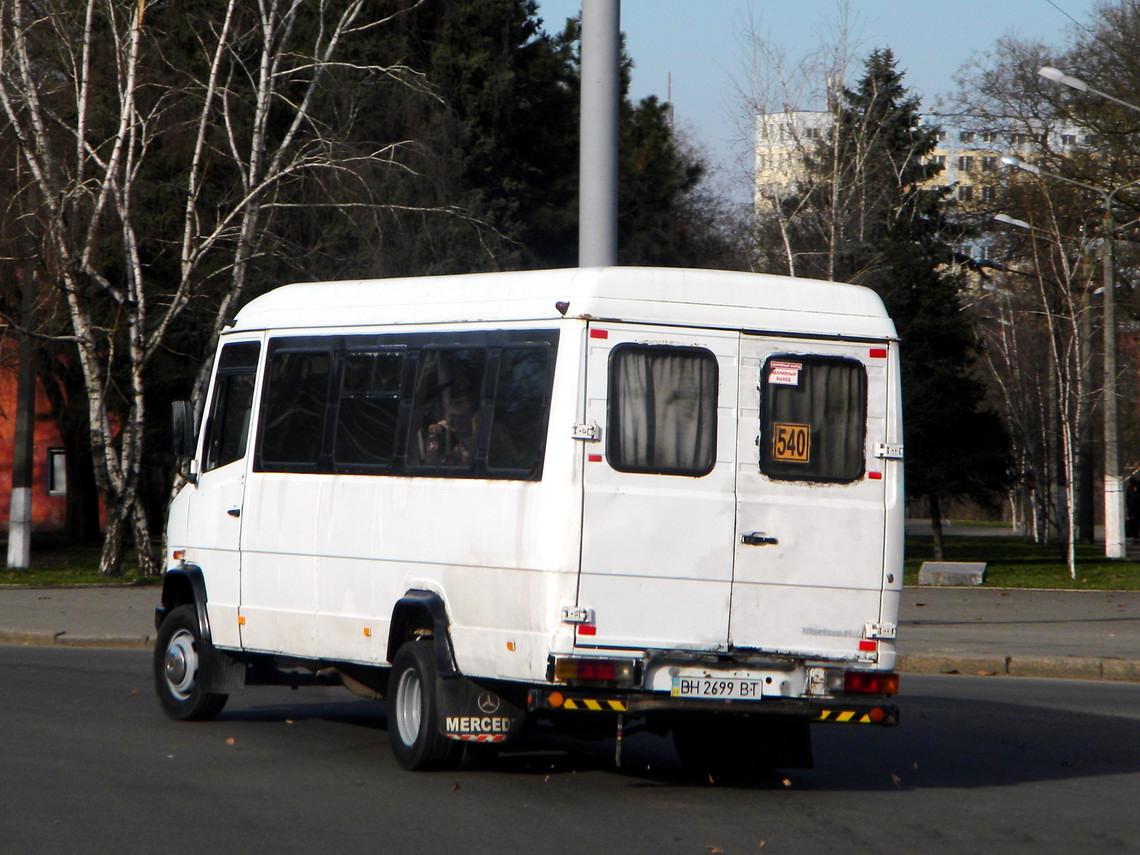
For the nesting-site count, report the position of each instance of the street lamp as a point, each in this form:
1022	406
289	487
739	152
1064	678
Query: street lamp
1114	545
1058	76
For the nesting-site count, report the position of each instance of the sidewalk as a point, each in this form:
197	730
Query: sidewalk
1089	635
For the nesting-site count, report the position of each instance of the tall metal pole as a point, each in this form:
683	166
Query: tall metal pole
20	511
598	154
1114	546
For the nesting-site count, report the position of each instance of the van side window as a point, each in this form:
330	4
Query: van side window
227	428
813	418
295	401
420	404
662	410
446	412
517	424
368	410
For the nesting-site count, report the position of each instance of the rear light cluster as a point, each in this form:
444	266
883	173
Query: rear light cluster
588	670
871	682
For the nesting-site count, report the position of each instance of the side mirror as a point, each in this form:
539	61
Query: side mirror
182	424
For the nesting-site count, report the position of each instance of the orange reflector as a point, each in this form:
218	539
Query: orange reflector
367	632
241	621
555	699
178	554
511	646
878	353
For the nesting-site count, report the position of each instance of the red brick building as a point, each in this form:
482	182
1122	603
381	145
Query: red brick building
49	485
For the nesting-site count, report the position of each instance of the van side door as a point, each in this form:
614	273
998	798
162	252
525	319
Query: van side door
215	509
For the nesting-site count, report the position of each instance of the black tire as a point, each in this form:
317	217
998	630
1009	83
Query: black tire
413	711
177	668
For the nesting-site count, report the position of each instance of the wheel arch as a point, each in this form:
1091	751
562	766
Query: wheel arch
185	585
423	610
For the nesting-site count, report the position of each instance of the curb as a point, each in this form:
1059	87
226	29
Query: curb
62	639
1055	667
990	665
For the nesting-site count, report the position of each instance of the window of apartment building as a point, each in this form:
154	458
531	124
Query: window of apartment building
966	163
57	472
811	133
989	164
991	136
1068	139
938	160
966	136
988	194
966	193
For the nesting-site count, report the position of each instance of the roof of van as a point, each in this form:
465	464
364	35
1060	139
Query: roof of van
658	295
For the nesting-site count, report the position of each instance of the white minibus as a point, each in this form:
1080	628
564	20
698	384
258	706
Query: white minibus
593	499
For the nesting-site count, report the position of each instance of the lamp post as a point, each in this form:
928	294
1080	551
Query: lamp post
1114	546
1054	74
1058	76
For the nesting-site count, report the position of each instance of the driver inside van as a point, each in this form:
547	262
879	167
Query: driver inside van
451	440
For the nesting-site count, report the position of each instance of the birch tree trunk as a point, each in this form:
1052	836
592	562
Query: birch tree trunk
93	104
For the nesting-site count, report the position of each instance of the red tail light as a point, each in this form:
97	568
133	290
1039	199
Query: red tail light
871	682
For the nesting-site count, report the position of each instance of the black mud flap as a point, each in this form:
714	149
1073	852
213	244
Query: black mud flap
471	711
220	672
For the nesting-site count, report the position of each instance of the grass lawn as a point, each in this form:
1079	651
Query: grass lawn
1012	562
70	566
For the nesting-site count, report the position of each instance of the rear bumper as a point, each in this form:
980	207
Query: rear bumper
822	710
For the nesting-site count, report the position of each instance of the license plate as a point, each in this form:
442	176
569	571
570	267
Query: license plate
718	688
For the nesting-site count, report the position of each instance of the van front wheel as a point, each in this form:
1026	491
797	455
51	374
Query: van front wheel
413	711
177	669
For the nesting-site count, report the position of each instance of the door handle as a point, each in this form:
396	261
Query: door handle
758	538
234	512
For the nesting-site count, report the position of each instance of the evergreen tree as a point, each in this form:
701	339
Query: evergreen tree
876	222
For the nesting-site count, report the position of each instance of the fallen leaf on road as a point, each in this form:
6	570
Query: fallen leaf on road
231	741
896	779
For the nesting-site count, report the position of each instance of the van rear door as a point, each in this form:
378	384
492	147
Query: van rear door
659	510
812	488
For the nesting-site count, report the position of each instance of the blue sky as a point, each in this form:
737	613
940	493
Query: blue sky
698	44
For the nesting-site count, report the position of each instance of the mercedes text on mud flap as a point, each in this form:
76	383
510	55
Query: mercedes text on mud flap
597	498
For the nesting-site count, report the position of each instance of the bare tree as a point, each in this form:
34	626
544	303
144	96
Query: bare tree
787	105
97	108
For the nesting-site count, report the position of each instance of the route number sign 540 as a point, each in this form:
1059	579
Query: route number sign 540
791	443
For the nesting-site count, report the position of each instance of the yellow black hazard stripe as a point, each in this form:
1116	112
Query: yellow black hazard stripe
849	717
592	705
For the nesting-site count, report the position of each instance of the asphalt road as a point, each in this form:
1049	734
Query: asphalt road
979	765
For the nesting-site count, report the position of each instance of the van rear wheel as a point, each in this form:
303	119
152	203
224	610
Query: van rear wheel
413	711
177	669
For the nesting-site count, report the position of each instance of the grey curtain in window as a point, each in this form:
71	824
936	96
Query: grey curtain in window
830	397
663	410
